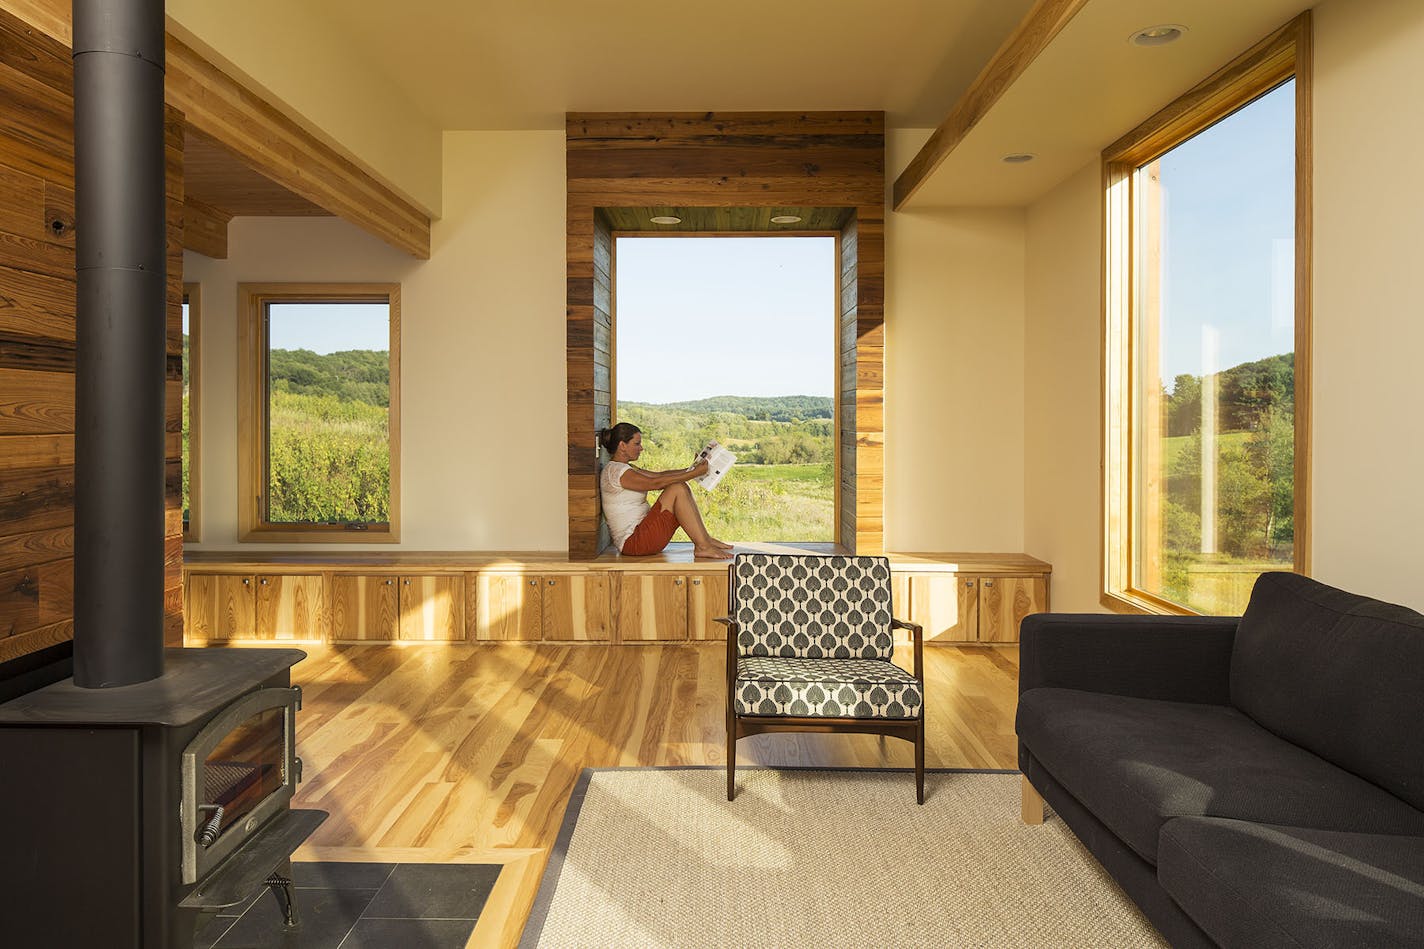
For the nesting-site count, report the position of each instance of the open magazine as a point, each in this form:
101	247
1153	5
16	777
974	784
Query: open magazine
719	462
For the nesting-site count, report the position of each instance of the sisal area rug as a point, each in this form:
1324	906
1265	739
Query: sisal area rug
659	857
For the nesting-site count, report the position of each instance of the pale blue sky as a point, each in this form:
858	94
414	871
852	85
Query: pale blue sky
329	327
1229	229
707	316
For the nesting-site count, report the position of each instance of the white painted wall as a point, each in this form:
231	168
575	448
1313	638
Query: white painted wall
1368	432
482	348
1369	318
483	413
1062	387
954	383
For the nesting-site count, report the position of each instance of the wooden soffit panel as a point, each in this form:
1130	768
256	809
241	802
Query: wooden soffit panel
734	220
216	177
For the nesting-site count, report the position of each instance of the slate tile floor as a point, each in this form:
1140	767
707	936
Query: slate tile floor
363	906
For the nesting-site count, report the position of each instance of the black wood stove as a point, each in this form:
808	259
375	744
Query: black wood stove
153	786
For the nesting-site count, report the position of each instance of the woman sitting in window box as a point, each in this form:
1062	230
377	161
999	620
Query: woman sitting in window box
637	528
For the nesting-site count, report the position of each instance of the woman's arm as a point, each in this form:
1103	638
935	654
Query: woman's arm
635	479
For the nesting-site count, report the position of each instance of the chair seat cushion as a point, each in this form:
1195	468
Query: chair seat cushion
825	688
1137	763
1266	886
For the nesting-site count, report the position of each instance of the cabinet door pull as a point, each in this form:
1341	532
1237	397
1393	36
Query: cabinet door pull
533	583
697	582
677	581
263	581
389	582
988	583
406	582
551	582
246	581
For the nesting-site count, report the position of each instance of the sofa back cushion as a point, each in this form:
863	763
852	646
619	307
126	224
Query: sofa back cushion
1338	674
815	607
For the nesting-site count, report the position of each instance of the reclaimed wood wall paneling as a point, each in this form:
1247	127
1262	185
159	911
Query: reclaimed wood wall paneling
725	160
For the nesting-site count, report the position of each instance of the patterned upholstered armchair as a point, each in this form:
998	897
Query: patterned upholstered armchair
809	647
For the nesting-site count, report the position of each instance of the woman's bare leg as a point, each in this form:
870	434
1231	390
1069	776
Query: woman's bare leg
678	498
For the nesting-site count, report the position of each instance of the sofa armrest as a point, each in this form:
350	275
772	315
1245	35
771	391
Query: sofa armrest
1175	658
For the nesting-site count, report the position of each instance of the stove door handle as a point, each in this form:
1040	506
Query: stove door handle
208	835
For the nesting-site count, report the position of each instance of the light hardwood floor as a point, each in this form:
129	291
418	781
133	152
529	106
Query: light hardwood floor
471	752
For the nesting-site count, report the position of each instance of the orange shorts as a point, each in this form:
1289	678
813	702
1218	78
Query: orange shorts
652	533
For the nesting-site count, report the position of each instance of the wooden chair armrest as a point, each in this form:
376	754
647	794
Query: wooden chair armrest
727	621
917	636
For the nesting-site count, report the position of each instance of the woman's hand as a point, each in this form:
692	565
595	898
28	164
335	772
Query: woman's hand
699	469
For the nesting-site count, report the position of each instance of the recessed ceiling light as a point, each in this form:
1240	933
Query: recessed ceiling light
786	219
665	219
1159	35
1017	158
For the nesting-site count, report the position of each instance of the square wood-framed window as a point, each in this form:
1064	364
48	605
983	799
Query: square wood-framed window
192	402
1207	287
319	412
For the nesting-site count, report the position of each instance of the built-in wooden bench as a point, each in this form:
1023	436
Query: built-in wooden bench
482	596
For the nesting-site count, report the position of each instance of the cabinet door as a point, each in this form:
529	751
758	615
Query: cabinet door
504	606
432	609
1004	602
291	608
364	609
221	606
576	608
652	606
706	600
946	605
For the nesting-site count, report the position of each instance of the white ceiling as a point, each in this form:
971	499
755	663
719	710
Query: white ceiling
1091	87
521	64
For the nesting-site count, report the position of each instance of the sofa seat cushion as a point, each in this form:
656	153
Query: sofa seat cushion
825	688
1264	885
1137	763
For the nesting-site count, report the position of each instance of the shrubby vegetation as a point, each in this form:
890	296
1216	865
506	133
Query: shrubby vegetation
783	485
1255	481
328	440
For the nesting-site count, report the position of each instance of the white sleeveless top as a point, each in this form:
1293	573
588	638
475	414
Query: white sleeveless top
624	509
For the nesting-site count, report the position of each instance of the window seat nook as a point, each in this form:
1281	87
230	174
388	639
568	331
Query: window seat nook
492	597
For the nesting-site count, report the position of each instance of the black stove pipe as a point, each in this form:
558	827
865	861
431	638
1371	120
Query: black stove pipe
121	341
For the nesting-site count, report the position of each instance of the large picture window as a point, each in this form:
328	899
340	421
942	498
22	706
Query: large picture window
733	339
1207	336
320	410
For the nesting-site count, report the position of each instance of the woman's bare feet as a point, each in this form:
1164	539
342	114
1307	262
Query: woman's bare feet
720	543
711	553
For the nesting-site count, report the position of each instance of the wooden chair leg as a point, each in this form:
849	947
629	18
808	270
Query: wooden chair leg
731	759
1031	802
920	762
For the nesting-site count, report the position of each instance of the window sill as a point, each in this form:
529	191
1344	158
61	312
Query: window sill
1123	601
320	535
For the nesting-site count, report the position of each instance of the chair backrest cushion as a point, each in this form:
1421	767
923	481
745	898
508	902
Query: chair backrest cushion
812	606
1339	674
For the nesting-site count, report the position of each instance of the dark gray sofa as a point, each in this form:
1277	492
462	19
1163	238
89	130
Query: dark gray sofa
1248	782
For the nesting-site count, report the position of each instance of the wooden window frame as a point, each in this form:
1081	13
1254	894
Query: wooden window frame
193	296
835	334
252	430
1283	55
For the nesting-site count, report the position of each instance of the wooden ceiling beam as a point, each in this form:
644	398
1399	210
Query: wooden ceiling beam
1045	21
205	229
275	145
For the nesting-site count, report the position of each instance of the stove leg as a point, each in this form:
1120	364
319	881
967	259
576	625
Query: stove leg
281	888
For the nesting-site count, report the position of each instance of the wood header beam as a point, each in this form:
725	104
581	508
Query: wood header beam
272	143
1045	21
